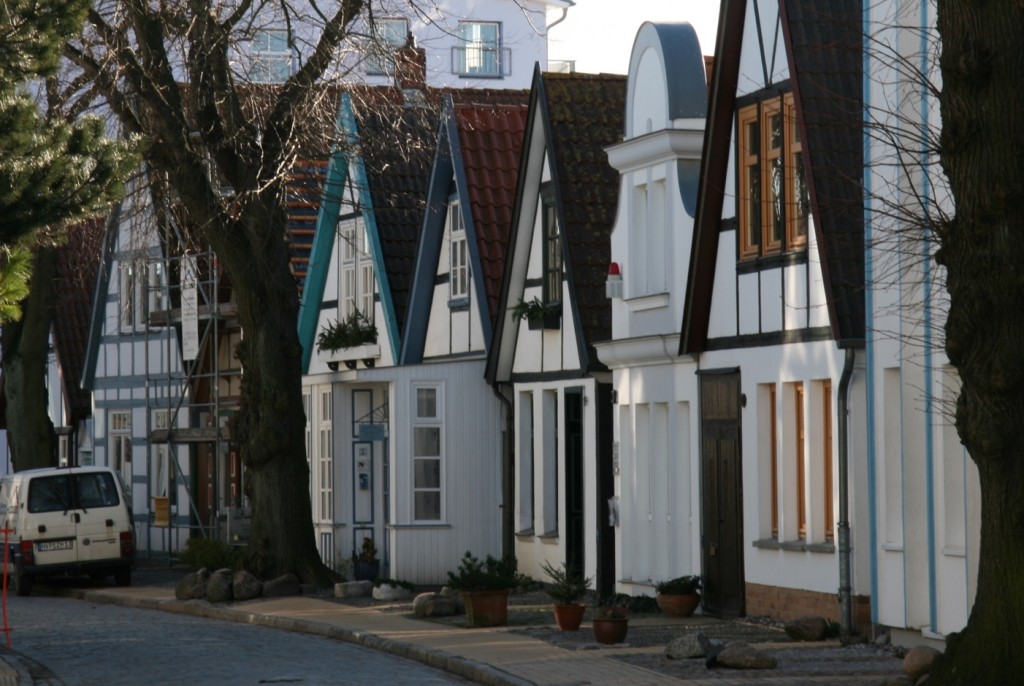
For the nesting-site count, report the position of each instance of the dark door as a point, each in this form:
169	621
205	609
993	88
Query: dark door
722	501
605	583
574	478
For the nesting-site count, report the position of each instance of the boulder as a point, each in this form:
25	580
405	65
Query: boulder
287	584
193	585
433	605
218	588
806	628
712	647
391	592
352	589
685	647
246	586
741	655
918	661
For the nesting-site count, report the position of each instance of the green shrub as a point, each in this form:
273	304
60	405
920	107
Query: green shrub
488	575
394	582
212	554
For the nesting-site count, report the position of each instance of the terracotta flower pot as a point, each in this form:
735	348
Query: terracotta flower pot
609	631
569	617
678	605
486	608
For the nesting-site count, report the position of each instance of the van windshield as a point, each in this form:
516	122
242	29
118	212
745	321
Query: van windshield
54	494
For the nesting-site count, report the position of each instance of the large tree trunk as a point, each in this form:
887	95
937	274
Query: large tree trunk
30	434
982	248
270	425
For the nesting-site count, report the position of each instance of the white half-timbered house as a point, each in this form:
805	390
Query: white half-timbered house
552	310
774	316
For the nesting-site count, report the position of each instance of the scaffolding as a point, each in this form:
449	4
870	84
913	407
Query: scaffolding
189	403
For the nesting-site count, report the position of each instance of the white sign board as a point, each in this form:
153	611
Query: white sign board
189	309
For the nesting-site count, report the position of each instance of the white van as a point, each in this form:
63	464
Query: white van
68	520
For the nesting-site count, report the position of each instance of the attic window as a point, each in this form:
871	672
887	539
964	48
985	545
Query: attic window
773	198
388	35
458	254
552	292
271	57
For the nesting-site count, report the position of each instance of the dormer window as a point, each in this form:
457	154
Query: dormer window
772	184
458	254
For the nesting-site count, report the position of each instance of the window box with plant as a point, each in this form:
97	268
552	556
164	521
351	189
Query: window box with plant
538	314
567	588
679	597
485	585
354	338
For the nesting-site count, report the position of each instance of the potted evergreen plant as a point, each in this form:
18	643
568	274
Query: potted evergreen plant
485	586
567	588
365	565
354	332
679	597
538	315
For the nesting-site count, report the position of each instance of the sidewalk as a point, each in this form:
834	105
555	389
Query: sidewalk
498	656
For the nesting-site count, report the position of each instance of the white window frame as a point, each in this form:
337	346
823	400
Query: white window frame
479	54
128	296
325	456
423	420
120	423
357	284
458	253
157	296
272	60
388	34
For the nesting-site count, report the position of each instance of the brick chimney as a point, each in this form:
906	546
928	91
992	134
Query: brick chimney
411	66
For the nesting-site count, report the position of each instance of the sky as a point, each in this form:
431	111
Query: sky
599	34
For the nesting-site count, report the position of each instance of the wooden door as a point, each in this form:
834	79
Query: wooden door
721	493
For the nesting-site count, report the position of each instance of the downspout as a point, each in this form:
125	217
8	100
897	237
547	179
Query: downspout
845	584
508	483
565	12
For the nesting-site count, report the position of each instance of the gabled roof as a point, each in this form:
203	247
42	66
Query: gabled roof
580	115
824	47
478	155
77	268
584	114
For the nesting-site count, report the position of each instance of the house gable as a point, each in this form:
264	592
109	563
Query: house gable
820	285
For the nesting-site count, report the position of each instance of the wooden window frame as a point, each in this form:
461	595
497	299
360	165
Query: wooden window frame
755	160
553	262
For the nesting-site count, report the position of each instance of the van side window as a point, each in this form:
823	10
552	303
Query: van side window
96	490
49	494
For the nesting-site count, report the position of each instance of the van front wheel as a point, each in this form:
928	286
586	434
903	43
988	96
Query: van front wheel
123	576
22	583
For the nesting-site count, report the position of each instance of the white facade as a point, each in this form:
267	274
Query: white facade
656	428
924	485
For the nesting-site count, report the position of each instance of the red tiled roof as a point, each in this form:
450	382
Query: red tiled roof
491	138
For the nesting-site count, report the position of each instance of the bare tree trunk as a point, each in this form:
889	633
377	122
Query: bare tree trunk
982	249
30	433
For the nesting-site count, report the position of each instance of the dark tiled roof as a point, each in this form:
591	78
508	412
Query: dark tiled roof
397	145
586	113
491	138
826	43
77	266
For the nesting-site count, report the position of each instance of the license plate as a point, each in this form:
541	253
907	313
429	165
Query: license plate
45	546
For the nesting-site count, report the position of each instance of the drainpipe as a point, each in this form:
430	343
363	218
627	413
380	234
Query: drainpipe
508	475
565	12
845	585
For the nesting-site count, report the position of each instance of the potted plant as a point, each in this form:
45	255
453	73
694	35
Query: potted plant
538	315
567	588
485	586
365	565
679	597
611	621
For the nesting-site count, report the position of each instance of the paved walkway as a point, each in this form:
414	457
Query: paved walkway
497	656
